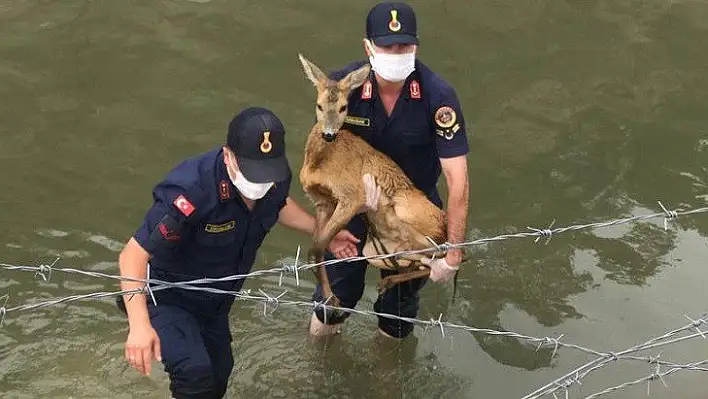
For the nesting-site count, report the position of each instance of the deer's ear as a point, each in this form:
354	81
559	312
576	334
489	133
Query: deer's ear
355	78
312	72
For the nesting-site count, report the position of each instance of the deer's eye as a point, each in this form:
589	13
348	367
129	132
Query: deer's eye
342	108
319	107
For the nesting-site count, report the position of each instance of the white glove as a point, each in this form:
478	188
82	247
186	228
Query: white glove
373	192
439	269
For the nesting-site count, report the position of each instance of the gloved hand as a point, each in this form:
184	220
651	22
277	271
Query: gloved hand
440	270
373	192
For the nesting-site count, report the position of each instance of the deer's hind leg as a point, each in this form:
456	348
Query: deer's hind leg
409	274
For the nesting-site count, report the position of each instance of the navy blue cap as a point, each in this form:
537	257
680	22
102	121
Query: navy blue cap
257	138
392	23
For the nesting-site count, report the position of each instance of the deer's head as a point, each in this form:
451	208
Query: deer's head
332	96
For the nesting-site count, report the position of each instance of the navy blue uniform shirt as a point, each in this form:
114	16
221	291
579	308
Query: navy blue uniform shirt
198	226
425	125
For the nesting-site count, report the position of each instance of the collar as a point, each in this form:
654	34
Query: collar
224	186
412	88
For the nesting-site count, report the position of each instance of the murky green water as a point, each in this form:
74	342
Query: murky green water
581	111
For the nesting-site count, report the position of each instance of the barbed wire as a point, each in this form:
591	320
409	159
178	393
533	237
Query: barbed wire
564	382
651	377
603	358
46	270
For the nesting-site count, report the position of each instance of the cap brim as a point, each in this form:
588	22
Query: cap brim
264	170
389	40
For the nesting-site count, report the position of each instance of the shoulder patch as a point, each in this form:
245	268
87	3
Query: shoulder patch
167	232
445	117
184	206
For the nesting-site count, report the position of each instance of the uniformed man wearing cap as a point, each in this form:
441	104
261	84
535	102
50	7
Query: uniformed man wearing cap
412	115
209	217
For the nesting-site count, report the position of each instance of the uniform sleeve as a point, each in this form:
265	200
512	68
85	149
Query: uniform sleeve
284	193
448	123
166	223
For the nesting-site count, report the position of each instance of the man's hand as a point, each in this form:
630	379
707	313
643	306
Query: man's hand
373	193
141	347
343	245
440	269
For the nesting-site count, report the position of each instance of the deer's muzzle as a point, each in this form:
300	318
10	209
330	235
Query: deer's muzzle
329	135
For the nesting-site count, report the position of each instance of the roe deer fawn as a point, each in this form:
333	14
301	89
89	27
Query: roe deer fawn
334	164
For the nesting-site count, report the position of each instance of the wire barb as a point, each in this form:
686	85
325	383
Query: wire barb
44	270
147	287
439	322
696	324
669	215
543	232
270	299
550	341
3	308
291	268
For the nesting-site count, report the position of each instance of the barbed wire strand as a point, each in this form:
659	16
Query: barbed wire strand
438	323
652	377
45	272
566	380
538	233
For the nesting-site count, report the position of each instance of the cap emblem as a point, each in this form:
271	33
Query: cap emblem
394	25
266	145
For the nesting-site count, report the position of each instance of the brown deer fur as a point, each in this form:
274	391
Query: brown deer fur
335	161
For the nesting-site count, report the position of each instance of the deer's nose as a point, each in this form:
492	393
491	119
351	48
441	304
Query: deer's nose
329	135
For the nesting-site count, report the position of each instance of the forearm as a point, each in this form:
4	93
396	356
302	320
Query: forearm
133	264
295	217
457	209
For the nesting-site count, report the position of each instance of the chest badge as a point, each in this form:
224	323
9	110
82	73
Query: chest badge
414	89
358	121
220	228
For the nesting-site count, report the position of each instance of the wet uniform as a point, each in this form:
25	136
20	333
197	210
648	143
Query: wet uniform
198	226
426	124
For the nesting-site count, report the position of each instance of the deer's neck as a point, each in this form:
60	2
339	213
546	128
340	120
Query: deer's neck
315	147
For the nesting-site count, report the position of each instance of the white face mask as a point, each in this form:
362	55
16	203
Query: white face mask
392	67
252	191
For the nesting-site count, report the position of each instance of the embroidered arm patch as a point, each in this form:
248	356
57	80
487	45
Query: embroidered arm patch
166	235
449	125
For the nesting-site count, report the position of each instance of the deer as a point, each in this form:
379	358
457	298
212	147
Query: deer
336	163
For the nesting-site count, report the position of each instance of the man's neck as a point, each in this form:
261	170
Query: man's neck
387	88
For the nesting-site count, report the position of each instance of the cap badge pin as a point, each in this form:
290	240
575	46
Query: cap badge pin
266	145
394	25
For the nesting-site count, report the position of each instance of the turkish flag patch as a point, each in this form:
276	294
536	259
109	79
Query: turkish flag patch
184	205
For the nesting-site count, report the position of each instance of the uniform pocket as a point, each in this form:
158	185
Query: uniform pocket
417	136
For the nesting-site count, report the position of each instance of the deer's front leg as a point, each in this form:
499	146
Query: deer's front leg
342	214
323	211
